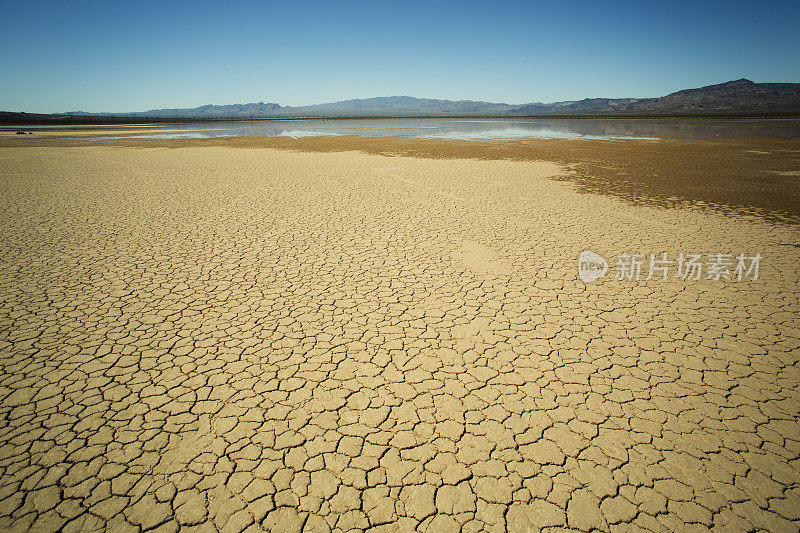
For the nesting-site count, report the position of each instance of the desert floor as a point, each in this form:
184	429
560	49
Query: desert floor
196	337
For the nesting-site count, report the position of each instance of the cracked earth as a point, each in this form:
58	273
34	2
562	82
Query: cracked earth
203	339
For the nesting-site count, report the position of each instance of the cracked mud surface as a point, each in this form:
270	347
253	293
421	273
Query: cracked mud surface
238	339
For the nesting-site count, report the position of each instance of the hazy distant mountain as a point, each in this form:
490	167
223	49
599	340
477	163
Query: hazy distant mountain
740	97
404	105
587	105
259	109
380	106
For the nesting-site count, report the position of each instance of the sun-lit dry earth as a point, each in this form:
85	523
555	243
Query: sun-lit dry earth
233	338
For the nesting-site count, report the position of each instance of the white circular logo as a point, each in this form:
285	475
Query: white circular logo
591	266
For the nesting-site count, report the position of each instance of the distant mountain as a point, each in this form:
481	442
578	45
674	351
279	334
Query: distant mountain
259	109
734	98
405	105
379	106
741	94
587	105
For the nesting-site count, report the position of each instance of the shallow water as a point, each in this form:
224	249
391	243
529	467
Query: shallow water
469	129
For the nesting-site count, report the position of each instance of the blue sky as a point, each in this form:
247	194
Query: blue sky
134	56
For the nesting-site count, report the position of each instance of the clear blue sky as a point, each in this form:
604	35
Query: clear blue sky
138	55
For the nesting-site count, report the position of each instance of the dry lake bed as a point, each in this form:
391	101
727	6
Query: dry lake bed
339	334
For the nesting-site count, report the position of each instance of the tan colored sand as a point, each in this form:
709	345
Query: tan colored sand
242	338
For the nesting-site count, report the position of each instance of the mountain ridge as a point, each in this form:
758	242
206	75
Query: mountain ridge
732	95
736	97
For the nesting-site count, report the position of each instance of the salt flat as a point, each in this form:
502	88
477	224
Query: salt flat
244	338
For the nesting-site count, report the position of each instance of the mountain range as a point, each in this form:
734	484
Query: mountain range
734	98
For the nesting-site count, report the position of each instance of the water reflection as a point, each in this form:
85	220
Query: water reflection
473	129
298	134
522	133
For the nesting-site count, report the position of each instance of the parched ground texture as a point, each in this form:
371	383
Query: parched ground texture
242	339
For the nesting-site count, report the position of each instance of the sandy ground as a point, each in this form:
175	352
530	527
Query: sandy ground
236	338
